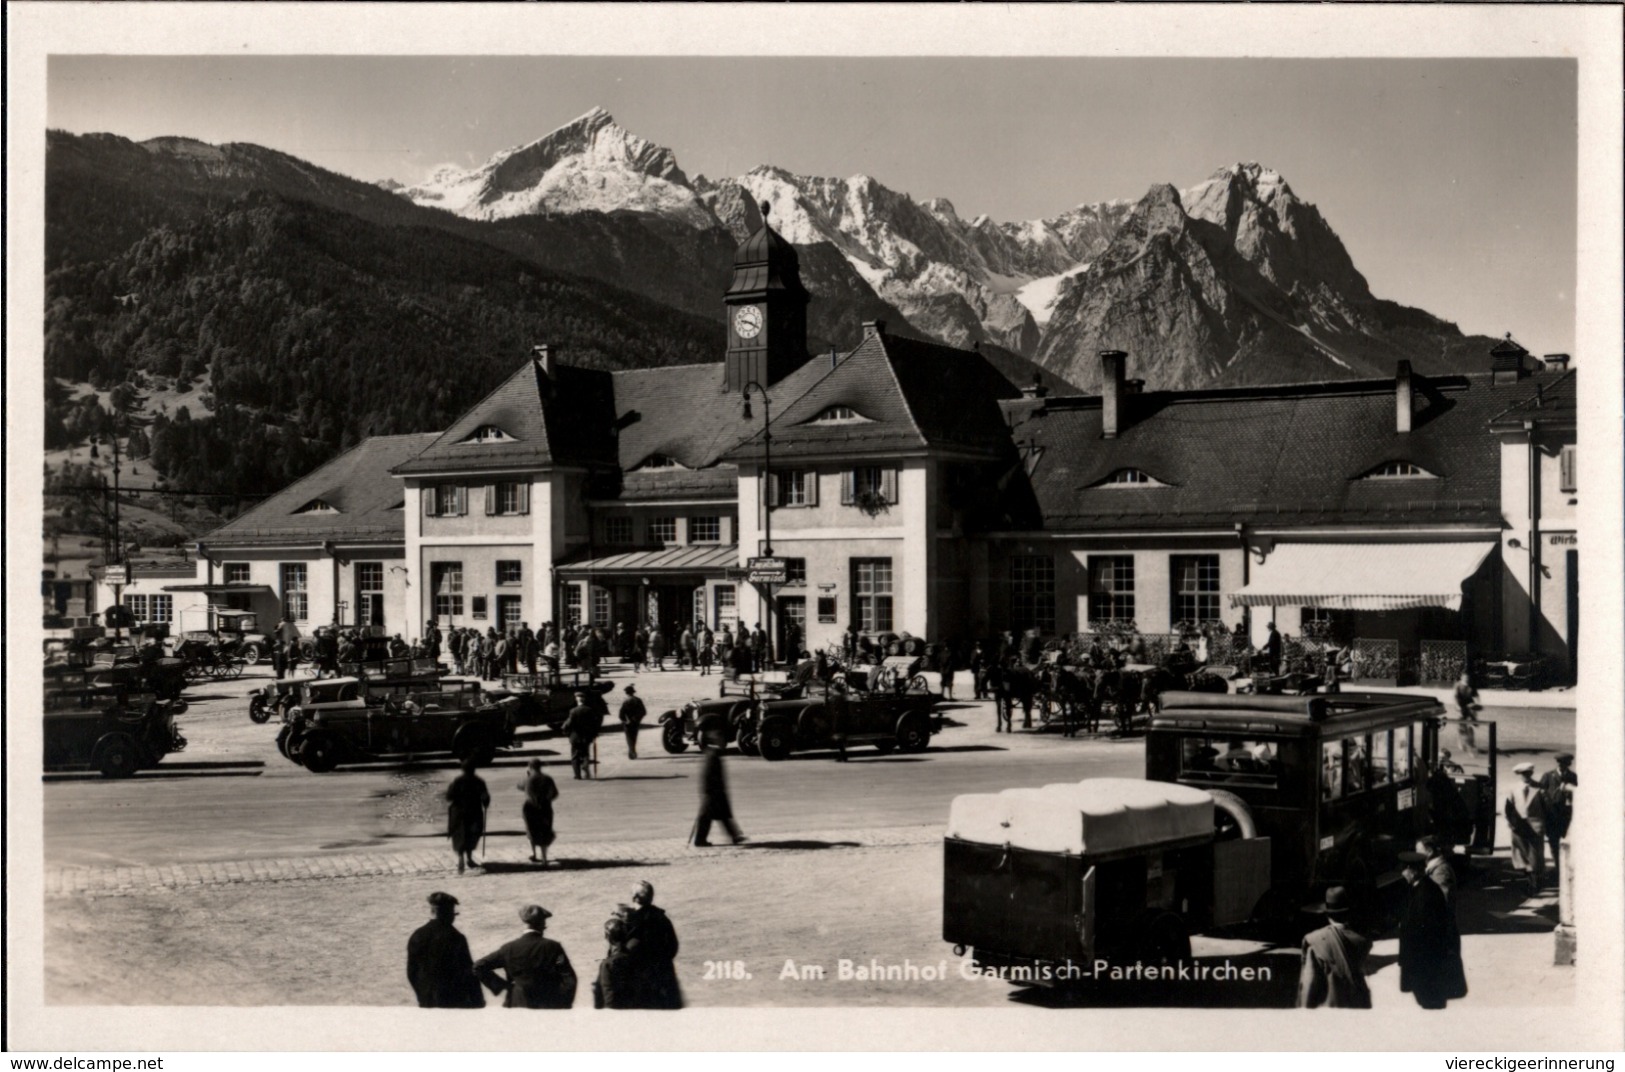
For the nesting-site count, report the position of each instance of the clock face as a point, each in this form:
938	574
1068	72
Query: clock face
748	322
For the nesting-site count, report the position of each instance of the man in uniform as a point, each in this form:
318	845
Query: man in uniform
539	975
651	941
1430	966
1525	811
1333	974
581	726
632	715
1557	787
438	964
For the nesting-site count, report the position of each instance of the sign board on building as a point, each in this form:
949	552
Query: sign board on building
117	575
768	571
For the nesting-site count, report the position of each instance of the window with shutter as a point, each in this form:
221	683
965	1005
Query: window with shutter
888	485
524	496
848	488
429	497
490	499
772	489
1570	476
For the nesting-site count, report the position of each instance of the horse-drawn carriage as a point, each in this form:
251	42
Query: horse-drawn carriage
1083	690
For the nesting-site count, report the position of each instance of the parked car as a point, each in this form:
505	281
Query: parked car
107	728
899	716
238	633
546	699
737	707
343	720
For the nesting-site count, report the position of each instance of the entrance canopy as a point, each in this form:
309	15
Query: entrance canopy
219	589
1363	576
709	559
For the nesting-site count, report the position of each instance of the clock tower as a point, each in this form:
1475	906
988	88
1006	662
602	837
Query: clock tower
766	306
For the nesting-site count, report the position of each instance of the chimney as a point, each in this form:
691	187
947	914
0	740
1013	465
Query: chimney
1111	392
543	356
871	328
1556	362
1404	398
1036	389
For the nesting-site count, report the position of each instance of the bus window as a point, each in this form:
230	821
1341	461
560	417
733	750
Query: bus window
1402	754
1331	770
1229	759
1381	750
1196	756
1356	755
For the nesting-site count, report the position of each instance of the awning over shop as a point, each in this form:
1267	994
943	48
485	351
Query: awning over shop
713	559
1363	576
219	589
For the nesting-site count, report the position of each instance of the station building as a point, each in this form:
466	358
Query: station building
913	487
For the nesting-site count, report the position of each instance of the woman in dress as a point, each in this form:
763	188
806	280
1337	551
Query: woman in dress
540	793
466	801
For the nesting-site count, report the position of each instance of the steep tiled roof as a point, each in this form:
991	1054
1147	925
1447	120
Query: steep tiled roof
1269	455
1555	403
357	484
911	395
562	419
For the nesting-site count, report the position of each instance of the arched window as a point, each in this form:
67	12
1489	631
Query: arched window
1131	478
1399	471
317	506
488	433
838	415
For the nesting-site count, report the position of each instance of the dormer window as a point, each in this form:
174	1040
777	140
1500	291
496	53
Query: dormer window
488	433
838	415
1399	471
317	506
659	461
1131	478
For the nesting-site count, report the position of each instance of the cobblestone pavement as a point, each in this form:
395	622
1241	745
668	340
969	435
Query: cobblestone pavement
116	881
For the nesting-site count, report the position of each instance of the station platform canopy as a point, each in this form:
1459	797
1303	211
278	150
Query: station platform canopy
1363	576
703	559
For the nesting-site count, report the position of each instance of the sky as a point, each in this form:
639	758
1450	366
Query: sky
1451	181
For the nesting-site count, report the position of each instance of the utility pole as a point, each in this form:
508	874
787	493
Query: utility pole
116	558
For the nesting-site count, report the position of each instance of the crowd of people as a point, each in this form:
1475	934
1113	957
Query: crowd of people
532	971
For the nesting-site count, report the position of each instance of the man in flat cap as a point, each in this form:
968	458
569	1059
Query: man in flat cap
1333	974
581	726
1557	787
1430	966
1525	811
438	964
633	712
539	975
651	942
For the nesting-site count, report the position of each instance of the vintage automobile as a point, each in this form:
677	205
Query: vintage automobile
896	717
734	711
347	720
237	632
203	657
107	728
546	699
1252	806
144	669
381	679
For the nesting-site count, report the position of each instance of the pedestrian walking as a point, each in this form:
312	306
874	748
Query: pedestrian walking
946	668
279	652
615	986
651	943
640	650
657	649
685	649
1271	650
438	963
705	656
1333	972
632	715
581	726
1525	811
1557	790
466	802
978	670
536	971
714	803
540	792
1430	966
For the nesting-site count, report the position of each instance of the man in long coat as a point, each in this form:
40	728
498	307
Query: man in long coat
539	975
714	803
1525	811
651	941
438	963
467	800
581	726
1557	787
632	714
1430	966
1333	974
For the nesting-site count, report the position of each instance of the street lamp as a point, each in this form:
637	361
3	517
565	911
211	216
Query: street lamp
767	502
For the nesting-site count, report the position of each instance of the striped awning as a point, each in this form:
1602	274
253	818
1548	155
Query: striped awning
705	559
1363	576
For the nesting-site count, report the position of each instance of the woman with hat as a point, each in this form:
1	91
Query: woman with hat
466	802
538	973
1333	974
540	793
